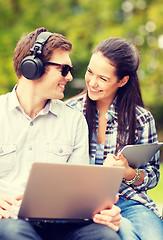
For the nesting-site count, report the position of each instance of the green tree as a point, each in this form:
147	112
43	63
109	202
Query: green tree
85	23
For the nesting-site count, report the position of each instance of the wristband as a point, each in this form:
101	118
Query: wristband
136	178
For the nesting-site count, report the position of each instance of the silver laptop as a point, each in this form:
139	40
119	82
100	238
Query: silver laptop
69	193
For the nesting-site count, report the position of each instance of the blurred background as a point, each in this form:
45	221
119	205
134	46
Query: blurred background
85	23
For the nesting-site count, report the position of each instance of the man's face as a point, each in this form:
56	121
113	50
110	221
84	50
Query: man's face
52	83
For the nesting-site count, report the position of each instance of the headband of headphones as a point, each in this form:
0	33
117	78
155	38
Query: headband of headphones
32	66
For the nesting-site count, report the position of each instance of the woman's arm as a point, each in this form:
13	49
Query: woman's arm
147	176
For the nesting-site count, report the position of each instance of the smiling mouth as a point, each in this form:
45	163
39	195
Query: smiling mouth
61	86
95	90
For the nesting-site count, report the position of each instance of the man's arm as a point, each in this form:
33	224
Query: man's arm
80	154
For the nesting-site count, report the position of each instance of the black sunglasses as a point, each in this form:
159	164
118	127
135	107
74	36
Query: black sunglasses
65	68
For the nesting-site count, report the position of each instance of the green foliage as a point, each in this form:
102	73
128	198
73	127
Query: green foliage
157	193
85	23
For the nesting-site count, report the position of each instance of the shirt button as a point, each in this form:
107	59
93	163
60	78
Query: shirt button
29	147
31	123
60	150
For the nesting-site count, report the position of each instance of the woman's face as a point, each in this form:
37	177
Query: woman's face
101	80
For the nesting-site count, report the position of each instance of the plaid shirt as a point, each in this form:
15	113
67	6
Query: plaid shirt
145	133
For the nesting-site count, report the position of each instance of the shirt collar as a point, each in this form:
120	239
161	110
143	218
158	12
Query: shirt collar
112	111
13	100
51	105
54	106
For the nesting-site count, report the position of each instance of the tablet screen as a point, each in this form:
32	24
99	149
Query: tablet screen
138	155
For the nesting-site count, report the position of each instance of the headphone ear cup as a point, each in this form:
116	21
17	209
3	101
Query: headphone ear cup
32	67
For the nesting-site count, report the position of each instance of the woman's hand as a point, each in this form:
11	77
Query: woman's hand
6	203
121	161
110	217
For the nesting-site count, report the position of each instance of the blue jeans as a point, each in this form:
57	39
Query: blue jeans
11	229
127	231
146	223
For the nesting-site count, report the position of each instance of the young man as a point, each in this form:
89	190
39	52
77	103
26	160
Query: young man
36	126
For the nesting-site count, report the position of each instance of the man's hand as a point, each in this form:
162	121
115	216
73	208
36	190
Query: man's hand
6	203
110	217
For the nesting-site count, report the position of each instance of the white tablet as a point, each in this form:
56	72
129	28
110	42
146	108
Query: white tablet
138	155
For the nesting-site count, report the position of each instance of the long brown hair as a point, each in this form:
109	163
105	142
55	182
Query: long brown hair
124	56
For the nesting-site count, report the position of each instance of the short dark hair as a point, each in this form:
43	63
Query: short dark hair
56	41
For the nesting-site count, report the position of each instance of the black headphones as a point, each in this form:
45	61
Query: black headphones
31	66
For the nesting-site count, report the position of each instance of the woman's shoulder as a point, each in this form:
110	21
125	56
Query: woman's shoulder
143	115
77	102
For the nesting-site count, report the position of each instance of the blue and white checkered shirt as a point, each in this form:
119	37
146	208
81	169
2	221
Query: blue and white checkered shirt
145	133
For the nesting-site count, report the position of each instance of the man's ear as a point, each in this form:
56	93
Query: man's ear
124	81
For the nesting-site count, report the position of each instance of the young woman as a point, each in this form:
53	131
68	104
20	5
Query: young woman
116	116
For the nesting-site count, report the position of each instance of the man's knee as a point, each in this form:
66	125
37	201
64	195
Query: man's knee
11	229
107	233
8	228
95	232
